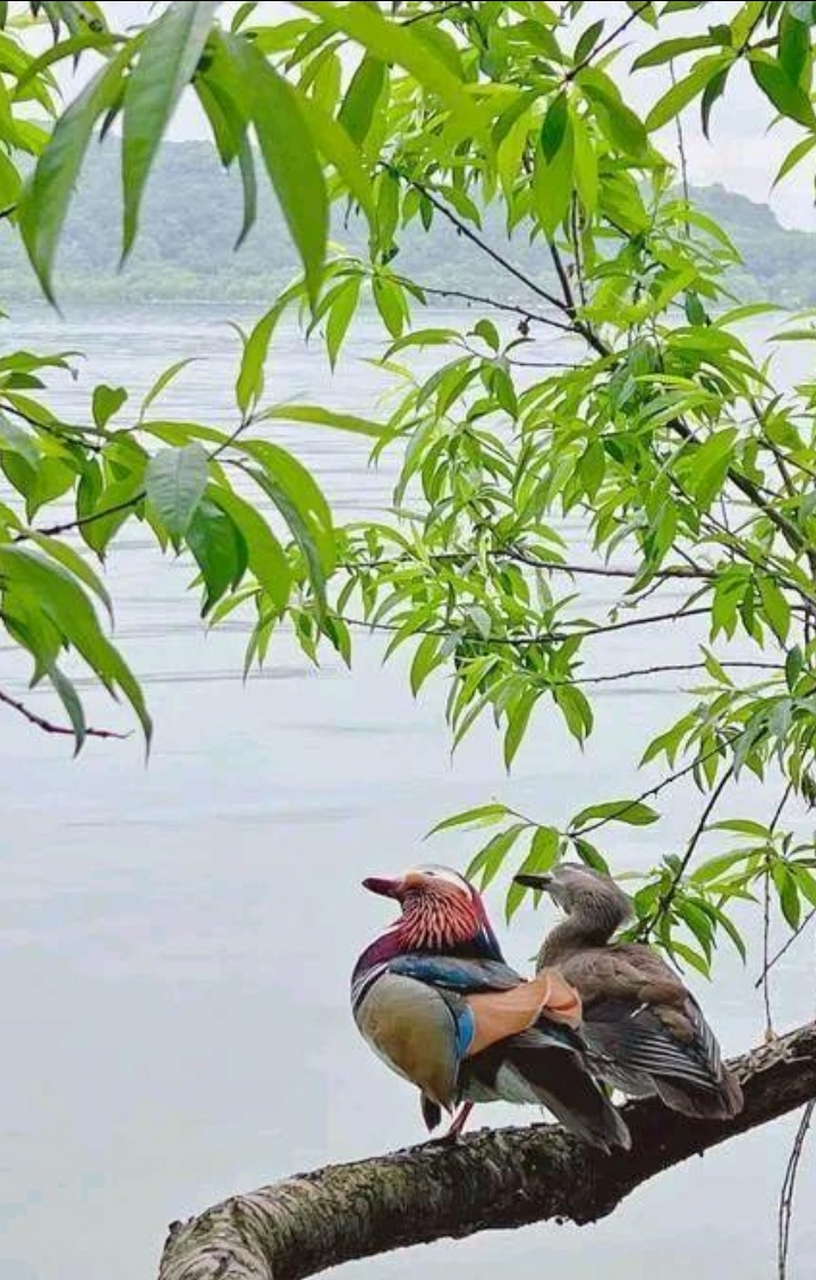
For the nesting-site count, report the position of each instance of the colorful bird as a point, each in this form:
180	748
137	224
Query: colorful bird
434	998
645	1025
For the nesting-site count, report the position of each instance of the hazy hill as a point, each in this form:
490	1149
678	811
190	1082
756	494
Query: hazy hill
193	213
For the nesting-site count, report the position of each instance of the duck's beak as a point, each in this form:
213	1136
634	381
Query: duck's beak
384	887
542	881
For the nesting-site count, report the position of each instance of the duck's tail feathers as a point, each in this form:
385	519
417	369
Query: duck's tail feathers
531	1069
719	1102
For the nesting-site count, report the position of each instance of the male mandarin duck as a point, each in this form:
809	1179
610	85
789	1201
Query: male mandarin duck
645	1026
434	998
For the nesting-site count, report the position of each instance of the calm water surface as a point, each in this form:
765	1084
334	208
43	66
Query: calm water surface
175	940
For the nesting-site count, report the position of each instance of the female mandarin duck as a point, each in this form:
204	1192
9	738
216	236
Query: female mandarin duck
639	1018
435	1000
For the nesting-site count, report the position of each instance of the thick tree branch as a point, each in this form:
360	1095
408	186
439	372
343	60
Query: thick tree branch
491	1179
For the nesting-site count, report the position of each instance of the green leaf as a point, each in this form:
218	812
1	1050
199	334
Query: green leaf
796	153
788	891
794	47
324	418
391	43
589	854
70	559
587	41
47	193
164	379
61	601
250	383
488	862
424	661
362	96
543	854
219	549
266	557
175	481
17	440
168	58
487	331
713	90
554	126
484	815
789	99
301	503
776	608
669	49
685	90
338	148
340	316
68	696
552	183
618	122
517	720
794	665
633	812
106	402
289	156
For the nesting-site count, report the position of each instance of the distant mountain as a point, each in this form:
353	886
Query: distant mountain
192	217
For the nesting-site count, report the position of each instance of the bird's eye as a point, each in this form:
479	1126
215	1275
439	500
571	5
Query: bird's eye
431	873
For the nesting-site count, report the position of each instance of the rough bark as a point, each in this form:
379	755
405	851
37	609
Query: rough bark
490	1179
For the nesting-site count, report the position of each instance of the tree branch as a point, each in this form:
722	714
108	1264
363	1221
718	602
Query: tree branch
48	726
492	1179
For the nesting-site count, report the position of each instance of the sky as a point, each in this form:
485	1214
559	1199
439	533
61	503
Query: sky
743	155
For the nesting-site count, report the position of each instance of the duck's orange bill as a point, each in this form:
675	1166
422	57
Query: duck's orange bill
499	1014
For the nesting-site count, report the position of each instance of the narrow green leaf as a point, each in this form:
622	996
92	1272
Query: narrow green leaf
47	193
686	90
633	812
168	58
266	556
338	148
789	99
391	43
219	550
289	155
68	696
362	95
324	418
554	126
483	815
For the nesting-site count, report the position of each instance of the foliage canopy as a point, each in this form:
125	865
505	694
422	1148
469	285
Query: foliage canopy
662	432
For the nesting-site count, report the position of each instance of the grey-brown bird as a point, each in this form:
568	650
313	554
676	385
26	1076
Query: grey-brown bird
644	1025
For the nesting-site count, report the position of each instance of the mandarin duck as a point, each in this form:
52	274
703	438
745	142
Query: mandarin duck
434	998
645	1026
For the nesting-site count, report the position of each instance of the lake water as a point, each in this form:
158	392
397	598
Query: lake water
175	941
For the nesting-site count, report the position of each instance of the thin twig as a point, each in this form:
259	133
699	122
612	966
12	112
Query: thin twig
783	950
514	308
48	726
681	147
789	1188
544	637
563	279
670	666
650	793
766	920
470	234
604	44
667	898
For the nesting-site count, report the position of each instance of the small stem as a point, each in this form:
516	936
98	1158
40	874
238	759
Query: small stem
604	44
48	726
667	898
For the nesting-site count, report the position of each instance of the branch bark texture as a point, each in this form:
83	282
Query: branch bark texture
490	1179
